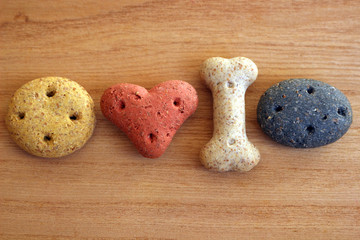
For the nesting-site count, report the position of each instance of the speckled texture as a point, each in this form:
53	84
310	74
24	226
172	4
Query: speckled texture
229	149
150	118
51	117
304	113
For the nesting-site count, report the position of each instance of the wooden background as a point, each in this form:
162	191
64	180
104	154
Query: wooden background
107	190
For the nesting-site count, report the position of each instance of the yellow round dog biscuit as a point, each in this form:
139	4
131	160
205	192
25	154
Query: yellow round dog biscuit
51	117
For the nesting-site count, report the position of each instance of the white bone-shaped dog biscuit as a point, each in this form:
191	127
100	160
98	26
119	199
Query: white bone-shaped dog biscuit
229	149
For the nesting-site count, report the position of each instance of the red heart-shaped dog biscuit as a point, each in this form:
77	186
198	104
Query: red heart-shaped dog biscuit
150	118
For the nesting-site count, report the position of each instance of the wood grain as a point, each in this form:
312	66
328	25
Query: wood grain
107	190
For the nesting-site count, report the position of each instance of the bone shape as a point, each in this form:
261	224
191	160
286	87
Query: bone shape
229	149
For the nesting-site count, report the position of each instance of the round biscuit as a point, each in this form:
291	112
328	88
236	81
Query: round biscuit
51	117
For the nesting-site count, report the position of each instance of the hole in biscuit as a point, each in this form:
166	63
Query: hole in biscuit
50	93
231	141
152	137
75	116
177	102
310	129
342	111
122	104
230	84
279	108
310	90
21	115
47	138
137	96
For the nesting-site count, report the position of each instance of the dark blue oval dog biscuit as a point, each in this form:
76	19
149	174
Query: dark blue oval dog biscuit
304	113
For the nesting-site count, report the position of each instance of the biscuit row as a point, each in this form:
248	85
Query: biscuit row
53	116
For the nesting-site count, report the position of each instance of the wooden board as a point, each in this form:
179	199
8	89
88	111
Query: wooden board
108	190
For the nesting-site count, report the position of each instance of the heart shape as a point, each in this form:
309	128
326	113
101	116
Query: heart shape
150	118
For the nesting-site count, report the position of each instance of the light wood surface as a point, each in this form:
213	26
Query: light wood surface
107	190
